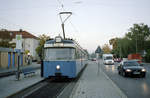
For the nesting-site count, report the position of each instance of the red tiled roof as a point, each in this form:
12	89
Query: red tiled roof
24	34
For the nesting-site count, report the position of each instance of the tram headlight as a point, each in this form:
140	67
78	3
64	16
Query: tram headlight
58	67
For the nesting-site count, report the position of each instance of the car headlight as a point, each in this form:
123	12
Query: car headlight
58	67
143	70
128	70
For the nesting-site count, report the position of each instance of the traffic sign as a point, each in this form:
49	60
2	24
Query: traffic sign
18	41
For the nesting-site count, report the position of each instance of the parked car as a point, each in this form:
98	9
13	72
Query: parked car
93	59
139	61
131	67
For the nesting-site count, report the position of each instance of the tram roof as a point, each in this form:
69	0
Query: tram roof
63	41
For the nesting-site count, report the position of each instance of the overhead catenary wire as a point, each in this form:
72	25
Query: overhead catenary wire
63	9
61	4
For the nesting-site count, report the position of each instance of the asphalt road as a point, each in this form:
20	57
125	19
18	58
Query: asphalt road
133	87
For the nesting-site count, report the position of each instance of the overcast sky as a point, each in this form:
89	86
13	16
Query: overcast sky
93	22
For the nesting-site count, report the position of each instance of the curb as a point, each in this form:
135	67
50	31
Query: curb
74	89
23	89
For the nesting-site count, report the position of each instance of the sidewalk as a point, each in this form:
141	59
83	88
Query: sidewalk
9	85
94	83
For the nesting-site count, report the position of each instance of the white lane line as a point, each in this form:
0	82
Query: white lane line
115	86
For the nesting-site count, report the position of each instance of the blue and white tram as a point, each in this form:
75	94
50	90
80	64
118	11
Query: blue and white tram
63	58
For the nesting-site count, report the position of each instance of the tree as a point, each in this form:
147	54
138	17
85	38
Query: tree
147	49
125	47
106	48
135	41
139	33
39	49
113	42
6	39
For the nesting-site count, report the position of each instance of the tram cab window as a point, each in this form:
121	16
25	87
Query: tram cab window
59	54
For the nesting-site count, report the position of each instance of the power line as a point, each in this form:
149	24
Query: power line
61	4
73	26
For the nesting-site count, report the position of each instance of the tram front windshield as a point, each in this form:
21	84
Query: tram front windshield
59	54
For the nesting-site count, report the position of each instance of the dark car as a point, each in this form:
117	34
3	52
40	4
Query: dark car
93	59
129	68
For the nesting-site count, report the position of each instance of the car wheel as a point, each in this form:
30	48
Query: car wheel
143	75
124	74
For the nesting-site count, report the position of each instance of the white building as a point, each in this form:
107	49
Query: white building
29	42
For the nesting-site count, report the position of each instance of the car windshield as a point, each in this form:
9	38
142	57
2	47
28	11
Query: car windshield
59	53
109	58
134	63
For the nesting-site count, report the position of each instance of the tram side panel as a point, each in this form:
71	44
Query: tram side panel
78	66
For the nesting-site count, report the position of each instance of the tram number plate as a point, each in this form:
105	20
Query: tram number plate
136	73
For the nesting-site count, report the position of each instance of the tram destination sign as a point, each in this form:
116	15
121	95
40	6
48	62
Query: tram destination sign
58	44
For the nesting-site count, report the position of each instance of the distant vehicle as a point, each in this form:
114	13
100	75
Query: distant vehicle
108	59
63	58
117	60
139	61
93	59
131	67
135	57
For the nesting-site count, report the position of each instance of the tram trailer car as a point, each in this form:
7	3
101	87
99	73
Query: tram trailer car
63	58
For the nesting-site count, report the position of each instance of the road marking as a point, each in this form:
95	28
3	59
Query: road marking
115	86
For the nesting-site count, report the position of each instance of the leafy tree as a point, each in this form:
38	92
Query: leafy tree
139	33
106	48
147	57
7	44
147	45
125	47
39	49
113	42
138	38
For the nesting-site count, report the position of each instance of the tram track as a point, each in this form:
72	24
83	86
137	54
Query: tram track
49	88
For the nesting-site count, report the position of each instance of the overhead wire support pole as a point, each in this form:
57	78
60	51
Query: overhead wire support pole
63	21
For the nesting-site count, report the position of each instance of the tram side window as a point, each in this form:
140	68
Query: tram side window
78	55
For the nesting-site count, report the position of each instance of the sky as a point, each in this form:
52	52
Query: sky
93	22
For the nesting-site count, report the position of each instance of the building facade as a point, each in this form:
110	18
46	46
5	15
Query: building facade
29	41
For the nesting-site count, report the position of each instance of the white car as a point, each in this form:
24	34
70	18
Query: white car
109	61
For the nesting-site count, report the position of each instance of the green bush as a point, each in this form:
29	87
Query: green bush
147	57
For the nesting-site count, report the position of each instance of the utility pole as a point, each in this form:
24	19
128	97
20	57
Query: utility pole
119	47
120	50
136	44
64	20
